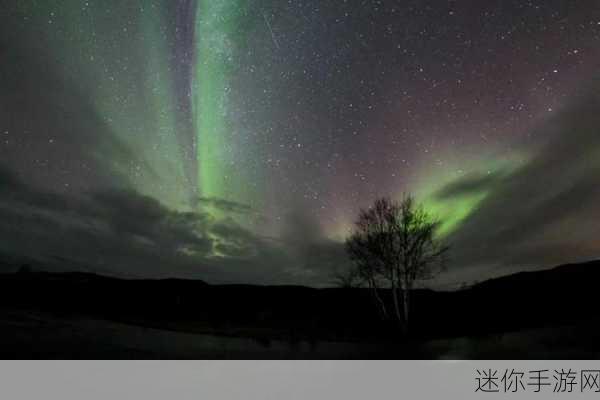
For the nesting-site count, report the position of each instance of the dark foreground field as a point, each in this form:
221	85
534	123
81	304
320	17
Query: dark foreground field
545	314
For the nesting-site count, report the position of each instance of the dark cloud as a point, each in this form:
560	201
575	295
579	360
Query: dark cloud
232	240
8	181
471	184
124	233
122	228
130	214
545	212
225	205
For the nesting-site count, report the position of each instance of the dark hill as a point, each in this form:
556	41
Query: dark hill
559	296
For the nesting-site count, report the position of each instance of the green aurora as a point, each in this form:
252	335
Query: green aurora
125	49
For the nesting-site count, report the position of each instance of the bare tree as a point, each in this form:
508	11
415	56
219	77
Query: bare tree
394	245
346	278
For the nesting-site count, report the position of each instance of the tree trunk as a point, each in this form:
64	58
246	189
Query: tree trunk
406	305
396	302
379	300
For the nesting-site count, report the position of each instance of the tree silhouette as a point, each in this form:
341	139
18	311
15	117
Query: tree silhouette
346	278
393	245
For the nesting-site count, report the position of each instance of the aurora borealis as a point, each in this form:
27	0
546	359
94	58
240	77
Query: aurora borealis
235	140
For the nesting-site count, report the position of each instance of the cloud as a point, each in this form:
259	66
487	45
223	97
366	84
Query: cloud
225	205
547	211
8	180
130	214
471	184
125	233
119	227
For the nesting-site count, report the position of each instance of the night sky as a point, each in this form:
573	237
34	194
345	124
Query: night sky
235	141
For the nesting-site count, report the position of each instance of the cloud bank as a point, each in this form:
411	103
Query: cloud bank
544	213
125	233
